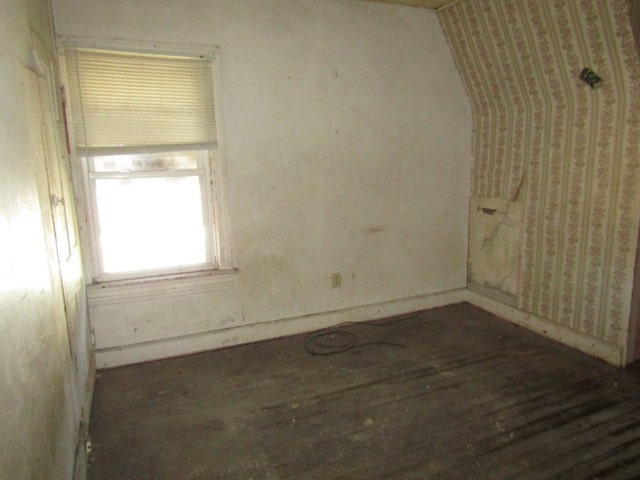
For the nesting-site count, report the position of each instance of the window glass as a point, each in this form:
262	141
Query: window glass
146	162
150	223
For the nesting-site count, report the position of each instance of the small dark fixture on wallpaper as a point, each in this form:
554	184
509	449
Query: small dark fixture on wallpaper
590	77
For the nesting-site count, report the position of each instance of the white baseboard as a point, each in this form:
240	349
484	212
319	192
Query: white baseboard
247	333
572	338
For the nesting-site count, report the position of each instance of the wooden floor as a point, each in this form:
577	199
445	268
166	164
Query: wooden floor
453	393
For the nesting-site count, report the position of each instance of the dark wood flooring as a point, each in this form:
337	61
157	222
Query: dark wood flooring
453	393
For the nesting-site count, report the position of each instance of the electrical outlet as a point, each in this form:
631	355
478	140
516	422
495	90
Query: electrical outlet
336	280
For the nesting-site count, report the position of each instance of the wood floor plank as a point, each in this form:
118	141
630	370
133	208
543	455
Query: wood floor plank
448	393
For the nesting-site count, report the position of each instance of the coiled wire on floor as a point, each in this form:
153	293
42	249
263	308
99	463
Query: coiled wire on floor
333	340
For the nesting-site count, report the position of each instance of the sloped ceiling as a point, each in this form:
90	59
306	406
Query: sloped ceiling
432	4
566	154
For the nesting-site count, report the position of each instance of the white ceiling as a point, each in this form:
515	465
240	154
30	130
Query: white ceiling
433	4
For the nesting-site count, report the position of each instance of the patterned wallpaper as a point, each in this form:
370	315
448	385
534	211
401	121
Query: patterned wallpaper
635	21
570	153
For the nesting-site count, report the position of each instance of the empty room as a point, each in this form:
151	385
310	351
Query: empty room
315	239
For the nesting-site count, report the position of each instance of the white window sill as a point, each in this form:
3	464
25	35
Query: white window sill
140	289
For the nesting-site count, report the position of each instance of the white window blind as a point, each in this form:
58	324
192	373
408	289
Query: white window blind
124	102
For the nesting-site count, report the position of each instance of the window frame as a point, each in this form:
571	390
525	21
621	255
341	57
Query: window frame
213	189
205	180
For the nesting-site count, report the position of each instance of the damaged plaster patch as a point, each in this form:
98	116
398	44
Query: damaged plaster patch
494	244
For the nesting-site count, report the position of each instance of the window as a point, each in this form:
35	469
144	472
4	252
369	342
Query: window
144	130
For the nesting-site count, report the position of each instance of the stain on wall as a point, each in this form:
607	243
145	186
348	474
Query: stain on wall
575	149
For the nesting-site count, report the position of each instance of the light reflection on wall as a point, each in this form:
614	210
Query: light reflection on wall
23	252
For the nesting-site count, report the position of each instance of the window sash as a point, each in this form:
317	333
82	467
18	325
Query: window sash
211	250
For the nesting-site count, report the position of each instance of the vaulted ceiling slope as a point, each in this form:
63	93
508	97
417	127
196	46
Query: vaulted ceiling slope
568	154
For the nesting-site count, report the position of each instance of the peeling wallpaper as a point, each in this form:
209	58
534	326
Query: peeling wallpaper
570	153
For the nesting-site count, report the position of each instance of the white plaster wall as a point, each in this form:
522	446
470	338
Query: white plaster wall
347	139
38	408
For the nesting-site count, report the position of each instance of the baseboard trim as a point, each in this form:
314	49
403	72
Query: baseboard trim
248	333
572	338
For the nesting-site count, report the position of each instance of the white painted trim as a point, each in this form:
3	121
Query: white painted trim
125	292
176	346
140	46
572	338
248	333
218	170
